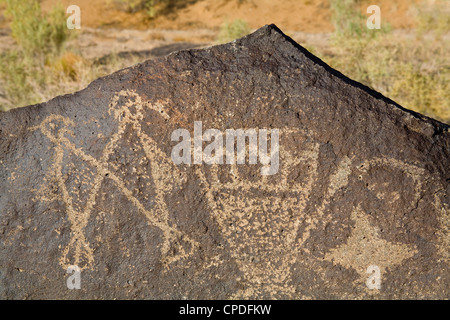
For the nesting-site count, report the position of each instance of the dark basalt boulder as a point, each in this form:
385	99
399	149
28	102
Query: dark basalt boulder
358	207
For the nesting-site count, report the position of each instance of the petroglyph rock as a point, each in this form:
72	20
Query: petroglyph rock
358	208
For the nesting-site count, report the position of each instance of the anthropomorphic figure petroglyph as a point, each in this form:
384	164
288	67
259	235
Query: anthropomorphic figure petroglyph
57	129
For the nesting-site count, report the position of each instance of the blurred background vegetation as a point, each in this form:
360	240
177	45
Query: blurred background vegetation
412	67
413	71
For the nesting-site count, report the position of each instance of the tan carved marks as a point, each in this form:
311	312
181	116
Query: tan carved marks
162	171
366	247
264	221
261	231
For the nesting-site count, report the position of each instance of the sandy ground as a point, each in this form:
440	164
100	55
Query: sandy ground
289	15
106	29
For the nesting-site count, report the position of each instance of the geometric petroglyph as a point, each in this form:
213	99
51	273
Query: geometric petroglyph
365	247
58	130
260	248
243	216
444	231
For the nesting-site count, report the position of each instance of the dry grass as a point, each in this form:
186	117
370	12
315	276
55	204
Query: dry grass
233	30
412	68
43	66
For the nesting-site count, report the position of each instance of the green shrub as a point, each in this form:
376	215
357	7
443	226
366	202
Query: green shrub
433	18
414	73
231	31
347	20
425	92
15	74
36	33
24	72
131	6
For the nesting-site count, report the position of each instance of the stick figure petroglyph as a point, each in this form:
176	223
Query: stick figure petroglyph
57	129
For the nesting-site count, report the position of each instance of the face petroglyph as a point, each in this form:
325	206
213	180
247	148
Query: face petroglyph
260	247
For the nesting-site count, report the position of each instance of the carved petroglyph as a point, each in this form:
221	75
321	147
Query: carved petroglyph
365	247
265	251
415	173
337	180
444	231
77	218
361	191
262	246
264	221
162	173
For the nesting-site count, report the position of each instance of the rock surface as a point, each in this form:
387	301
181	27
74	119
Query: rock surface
359	208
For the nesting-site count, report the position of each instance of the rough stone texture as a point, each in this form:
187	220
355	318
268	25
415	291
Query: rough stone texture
87	180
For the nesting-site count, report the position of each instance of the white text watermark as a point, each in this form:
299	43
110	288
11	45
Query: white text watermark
213	153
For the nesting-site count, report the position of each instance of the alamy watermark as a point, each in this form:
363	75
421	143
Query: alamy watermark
74	20
374	280
374	21
188	153
74	280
